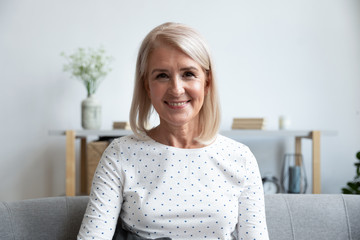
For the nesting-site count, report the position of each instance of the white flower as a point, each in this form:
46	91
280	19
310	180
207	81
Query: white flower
90	66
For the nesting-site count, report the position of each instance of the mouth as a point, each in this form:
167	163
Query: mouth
177	104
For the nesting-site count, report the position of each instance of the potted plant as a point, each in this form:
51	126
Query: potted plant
89	66
353	187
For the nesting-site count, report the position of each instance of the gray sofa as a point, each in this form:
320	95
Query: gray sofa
288	217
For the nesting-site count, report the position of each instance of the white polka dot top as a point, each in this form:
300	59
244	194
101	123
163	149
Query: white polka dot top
214	192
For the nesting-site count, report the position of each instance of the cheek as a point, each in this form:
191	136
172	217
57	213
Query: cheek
156	91
198	90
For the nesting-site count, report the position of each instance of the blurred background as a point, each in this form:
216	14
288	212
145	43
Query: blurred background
297	58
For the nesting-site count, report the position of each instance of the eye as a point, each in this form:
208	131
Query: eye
189	74
162	76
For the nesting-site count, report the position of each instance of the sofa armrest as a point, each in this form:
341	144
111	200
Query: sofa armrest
46	218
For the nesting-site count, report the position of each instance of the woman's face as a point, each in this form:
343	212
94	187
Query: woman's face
176	85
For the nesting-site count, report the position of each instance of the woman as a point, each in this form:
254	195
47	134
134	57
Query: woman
180	179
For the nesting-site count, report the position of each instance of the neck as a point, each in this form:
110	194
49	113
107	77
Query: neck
176	136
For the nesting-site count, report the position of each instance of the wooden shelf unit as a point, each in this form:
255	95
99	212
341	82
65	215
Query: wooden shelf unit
72	135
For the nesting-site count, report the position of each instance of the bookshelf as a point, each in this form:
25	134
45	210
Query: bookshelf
83	135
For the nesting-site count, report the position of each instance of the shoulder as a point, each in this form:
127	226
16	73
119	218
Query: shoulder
230	149
129	140
133	144
123	148
230	144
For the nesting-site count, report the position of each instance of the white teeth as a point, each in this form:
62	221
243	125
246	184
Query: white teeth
177	104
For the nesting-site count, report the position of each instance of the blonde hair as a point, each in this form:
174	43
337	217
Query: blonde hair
192	44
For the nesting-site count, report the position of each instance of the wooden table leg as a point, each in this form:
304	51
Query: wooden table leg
316	161
70	163
298	151
83	176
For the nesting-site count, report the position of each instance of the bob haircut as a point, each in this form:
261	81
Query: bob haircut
192	44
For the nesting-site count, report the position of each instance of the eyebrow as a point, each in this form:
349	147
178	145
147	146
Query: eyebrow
189	68
181	69
158	70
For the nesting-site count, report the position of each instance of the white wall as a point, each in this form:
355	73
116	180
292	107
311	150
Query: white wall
297	58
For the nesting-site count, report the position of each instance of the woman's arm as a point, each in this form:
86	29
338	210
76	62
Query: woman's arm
105	198
252	221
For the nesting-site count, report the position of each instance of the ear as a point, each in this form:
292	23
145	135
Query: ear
146	86
208	81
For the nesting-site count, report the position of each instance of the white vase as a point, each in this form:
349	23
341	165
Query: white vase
284	123
91	113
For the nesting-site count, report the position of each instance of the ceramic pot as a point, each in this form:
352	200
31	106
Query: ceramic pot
91	113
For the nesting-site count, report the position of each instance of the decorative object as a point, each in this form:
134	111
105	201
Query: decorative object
284	123
121	125
91	113
90	66
293	176
353	187
248	123
271	185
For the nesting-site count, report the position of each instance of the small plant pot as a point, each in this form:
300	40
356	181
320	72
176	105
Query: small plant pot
91	113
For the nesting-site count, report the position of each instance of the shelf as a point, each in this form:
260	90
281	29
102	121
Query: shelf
273	133
227	133
87	133
71	135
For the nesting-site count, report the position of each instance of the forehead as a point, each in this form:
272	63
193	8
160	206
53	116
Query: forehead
167	55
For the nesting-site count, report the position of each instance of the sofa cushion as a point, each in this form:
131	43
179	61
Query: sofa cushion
308	216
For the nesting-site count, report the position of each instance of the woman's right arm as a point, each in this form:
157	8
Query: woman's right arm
105	198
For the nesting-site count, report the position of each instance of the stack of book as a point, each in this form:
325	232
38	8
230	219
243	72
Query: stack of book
248	123
121	125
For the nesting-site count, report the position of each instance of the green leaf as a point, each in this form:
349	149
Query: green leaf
346	191
353	186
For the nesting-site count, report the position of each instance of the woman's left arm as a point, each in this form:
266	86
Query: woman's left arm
252	220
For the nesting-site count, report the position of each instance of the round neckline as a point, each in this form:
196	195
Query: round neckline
182	149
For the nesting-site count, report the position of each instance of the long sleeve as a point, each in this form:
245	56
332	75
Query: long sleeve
252	221
105	199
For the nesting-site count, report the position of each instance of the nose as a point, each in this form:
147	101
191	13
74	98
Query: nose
176	87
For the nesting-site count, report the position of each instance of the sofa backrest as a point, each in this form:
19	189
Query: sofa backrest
289	216
313	216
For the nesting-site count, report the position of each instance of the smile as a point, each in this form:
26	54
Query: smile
177	104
